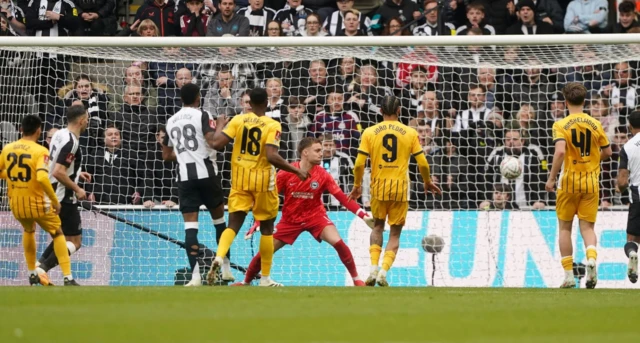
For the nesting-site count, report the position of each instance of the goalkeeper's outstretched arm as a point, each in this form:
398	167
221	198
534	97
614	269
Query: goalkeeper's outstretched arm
350	204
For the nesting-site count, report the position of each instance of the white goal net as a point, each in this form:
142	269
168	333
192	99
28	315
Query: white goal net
473	102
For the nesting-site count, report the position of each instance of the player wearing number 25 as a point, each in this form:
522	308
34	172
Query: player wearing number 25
389	145
580	145
24	164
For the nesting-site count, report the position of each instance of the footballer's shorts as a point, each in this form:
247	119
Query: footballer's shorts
70	217
264	205
585	205
289	232
633	221
194	193
396	211
50	222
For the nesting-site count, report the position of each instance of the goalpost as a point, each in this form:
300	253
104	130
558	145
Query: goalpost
466	95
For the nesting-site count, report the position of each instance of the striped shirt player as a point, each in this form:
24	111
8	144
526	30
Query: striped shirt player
629	176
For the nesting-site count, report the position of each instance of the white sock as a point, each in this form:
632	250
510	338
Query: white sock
33	272
382	272
195	273
226	264
373	269
69	277
40	270
37	264
357	278
71	247
568	274
265	278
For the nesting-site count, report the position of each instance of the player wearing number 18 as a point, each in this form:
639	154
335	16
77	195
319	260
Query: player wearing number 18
580	145
253	178
389	144
31	197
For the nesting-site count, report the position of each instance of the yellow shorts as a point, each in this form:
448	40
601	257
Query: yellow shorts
50	222
570	204
264	205
395	210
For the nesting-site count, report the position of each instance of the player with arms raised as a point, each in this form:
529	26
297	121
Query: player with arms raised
24	164
188	140
253	178
303	209
389	144
580	145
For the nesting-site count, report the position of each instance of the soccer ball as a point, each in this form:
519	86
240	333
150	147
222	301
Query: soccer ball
510	167
432	244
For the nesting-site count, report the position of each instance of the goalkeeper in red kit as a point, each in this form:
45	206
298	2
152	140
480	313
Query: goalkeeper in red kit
303	209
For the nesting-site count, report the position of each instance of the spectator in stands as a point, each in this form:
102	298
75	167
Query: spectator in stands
412	94
533	127
159	186
365	96
500	14
165	77
621	92
228	22
529	186
405	10
429	112
297	122
619	140
137	122
274	29
313	89
170	103
394	27
293	17
586	16
421	57
223	97
430	28
528	23
324	8
557	107
276	108
195	21
352	26
549	11
161	12
534	89
94	100
134	76
487	77
49	135
114	171
599	109
246	102
476	18
627	16
589	75
334	24
312	29
451	170
98	17
477	110
344	125
141	28
339	165
501	199
15	18
259	17
425	135
346	72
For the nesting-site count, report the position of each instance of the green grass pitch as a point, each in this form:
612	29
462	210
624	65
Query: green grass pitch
252	314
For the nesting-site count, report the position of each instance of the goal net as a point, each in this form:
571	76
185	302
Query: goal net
472	101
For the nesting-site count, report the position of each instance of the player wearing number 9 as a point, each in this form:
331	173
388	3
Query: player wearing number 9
389	145
24	164
580	145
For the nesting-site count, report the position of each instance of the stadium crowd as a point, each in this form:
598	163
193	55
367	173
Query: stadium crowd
468	119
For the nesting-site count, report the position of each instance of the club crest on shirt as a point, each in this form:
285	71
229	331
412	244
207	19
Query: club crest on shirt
315	185
278	135
46	158
70	158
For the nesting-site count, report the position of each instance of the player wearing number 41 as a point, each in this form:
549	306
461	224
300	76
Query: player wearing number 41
303	209
24	164
253	178
65	171
580	145
389	144
189	140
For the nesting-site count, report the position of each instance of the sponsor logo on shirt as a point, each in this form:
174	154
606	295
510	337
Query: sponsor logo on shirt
302	195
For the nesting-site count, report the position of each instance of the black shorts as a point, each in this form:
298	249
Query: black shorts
194	193
70	218
633	222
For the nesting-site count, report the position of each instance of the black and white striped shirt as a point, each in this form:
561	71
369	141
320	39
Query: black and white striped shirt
334	24
630	160
65	149
432	30
185	134
258	19
40	26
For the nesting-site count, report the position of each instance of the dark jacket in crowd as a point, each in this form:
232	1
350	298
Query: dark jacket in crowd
162	15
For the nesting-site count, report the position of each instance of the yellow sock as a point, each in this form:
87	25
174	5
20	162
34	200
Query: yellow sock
567	263
375	251
62	253
592	253
387	260
227	237
266	254
29	245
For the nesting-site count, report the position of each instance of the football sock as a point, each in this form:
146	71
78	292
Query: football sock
52	260
346	257
266	253
630	247
591	253
48	251
220	226
226	239
567	265
191	244
387	260
29	245
253	269
62	255
375	251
